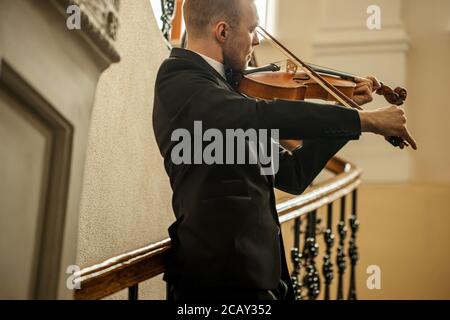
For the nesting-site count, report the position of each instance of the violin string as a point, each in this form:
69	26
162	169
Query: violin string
283	63
320	69
335	72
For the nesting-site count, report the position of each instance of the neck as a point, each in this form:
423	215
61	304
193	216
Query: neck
207	49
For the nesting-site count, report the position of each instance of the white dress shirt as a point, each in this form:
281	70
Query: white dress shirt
218	66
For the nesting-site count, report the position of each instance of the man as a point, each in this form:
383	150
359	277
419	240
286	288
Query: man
226	241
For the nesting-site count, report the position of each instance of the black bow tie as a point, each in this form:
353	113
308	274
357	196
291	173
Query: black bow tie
229	75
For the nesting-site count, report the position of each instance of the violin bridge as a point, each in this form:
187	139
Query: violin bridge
291	66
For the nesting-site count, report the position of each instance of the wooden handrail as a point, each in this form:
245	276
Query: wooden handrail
348	178
126	270
122	272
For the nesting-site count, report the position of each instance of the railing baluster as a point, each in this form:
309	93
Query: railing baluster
133	292
353	249
296	258
327	268
311	280
168	9
340	258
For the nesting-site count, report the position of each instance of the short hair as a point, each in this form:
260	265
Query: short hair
200	14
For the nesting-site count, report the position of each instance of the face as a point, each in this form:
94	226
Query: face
239	46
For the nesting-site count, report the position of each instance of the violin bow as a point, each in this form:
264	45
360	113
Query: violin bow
339	96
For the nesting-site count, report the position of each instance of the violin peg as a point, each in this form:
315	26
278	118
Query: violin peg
401	92
395	97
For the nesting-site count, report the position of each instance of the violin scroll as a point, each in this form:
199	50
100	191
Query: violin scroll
396	97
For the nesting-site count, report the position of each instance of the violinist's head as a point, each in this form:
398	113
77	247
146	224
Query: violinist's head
224	30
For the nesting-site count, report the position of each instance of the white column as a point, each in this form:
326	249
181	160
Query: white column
345	42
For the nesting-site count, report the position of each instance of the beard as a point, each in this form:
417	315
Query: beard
234	59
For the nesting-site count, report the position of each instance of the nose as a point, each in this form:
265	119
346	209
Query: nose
255	39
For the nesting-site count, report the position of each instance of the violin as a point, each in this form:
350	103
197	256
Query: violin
310	82
290	85
268	82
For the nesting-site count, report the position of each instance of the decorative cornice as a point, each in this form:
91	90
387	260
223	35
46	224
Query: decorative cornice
99	21
345	31
351	40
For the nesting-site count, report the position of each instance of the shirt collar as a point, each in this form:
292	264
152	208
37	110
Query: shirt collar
218	66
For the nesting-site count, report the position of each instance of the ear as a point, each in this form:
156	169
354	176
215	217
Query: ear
222	31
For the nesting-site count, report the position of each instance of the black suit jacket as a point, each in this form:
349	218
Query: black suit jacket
226	232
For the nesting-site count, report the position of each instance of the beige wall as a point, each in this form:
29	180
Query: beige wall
405	230
126	195
428	25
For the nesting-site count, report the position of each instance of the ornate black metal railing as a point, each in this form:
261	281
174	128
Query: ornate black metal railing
306	256
306	279
168	9
327	267
353	248
126	271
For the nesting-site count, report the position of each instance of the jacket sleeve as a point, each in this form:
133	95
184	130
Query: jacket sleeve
217	107
299	169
